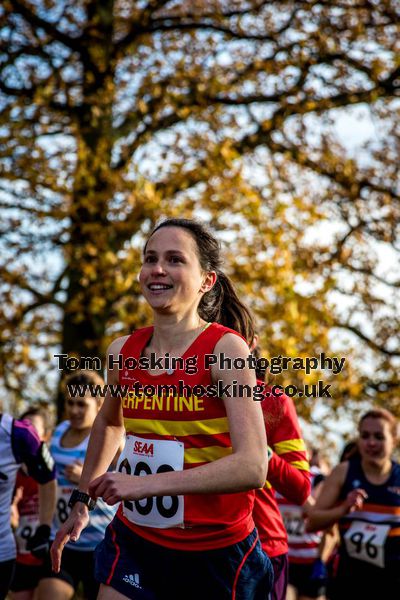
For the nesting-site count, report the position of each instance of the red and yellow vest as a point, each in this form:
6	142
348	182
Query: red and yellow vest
201	425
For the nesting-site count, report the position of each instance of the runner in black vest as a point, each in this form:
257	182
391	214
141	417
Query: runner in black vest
363	496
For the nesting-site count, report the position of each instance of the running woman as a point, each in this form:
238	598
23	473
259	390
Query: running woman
184	527
363	495
28	568
68	447
20	444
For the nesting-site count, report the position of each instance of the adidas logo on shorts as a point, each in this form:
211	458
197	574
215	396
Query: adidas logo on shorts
132	580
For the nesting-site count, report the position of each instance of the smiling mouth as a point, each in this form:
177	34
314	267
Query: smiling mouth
159	287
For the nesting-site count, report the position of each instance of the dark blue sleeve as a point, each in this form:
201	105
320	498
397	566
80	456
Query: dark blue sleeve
28	449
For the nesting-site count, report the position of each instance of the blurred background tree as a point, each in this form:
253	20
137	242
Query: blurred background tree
115	113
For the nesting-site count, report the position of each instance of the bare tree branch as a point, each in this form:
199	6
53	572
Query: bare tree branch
371	343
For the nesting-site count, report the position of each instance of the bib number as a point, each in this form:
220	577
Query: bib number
366	541
62	510
142	457
294	523
26	528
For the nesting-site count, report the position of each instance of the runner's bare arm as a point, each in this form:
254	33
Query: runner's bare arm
14	516
47	502
105	439
327	510
108	428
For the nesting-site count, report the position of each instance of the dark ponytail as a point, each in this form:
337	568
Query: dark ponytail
221	304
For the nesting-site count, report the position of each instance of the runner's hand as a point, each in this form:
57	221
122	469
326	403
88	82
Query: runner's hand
73	471
115	487
355	499
69	532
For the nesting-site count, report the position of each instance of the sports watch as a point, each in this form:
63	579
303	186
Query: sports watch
78	496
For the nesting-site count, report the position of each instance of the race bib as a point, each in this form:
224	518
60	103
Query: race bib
25	530
62	509
147	457
293	520
366	541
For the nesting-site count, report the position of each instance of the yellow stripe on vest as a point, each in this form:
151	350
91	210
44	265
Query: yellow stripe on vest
179	428
207	454
295	445
302	465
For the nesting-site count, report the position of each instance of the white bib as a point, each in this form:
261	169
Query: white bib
294	522
26	528
366	541
147	457
62	510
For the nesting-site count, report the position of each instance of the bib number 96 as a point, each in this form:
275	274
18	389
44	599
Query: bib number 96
366	541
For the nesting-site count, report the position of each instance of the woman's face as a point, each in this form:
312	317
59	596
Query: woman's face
81	411
171	277
376	442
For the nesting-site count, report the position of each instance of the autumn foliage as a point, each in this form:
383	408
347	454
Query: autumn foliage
115	113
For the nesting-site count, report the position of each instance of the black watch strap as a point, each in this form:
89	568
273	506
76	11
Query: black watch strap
78	496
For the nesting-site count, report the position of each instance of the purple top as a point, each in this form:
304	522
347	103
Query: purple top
19	443
28	449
